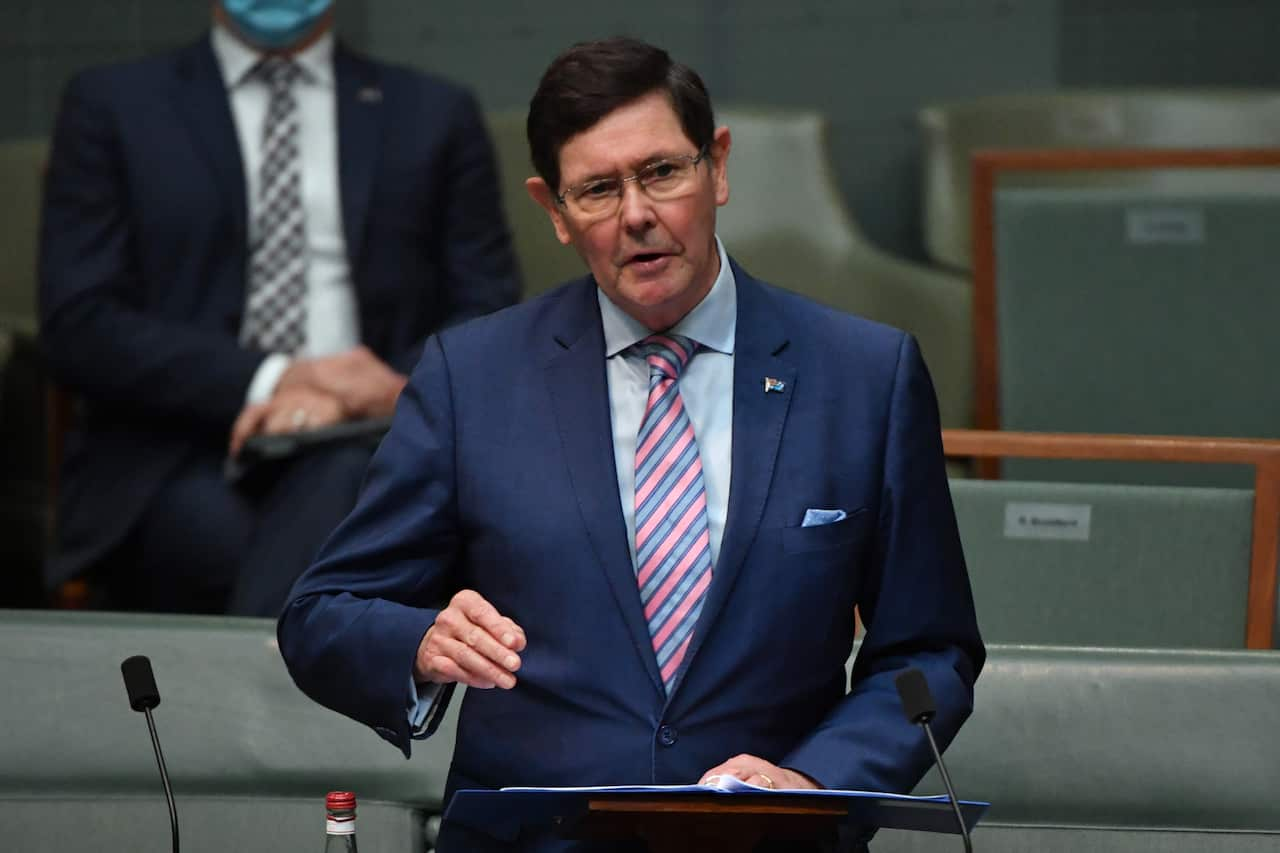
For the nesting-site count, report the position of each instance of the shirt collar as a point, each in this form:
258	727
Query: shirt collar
237	59
712	322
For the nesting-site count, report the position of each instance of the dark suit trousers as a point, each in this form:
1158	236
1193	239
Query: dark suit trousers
205	546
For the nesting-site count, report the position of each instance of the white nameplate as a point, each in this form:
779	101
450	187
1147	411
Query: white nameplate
1145	226
1047	521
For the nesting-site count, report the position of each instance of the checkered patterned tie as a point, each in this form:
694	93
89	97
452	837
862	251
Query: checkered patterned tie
275	316
673	543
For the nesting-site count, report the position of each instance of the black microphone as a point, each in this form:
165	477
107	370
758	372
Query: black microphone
917	703
140	682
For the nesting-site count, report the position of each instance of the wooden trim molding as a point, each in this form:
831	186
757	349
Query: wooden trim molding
1263	455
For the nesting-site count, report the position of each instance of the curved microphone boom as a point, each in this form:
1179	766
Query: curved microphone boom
917	704
140	682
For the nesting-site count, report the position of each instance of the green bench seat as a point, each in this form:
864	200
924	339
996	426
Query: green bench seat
1082	749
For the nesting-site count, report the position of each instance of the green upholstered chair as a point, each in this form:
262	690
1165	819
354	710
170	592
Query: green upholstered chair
787	223
1105	564
544	263
250	756
1137	118
1147	311
1112	750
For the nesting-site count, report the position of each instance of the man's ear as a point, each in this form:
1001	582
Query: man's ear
720	144
541	193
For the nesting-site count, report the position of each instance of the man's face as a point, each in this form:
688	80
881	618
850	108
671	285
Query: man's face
655	260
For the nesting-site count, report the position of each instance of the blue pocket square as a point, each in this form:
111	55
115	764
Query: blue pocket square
819	517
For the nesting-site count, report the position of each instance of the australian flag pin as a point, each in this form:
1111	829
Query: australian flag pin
771	384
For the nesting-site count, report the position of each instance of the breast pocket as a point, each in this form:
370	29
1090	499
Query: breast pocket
827	537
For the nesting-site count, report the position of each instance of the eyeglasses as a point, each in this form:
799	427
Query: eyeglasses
661	180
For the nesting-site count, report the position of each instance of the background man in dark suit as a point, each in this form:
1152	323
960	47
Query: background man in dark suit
251	235
655	496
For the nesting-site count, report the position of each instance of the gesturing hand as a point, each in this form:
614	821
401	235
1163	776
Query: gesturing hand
470	643
757	771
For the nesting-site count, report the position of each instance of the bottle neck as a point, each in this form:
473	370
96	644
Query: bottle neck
340	832
340	826
340	844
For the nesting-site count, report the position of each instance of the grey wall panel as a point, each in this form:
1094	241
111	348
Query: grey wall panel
868	64
1169	42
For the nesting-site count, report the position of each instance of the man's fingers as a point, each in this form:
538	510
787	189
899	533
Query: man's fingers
326	413
740	767
480	643
448	671
479	670
284	418
512	636
248	423
491	648
442	670
484	614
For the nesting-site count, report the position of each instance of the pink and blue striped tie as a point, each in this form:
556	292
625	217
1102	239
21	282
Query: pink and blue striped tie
673	543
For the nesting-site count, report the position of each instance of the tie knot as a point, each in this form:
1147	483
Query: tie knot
667	354
279	72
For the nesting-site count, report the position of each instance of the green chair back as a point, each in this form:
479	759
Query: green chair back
1137	312
1107	565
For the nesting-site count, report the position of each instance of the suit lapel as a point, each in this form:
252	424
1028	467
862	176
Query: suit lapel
360	117
202	101
578	389
758	420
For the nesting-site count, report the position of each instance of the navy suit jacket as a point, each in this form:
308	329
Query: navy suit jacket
144	256
498	475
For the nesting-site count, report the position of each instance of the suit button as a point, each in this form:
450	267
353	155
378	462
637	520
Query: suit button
667	736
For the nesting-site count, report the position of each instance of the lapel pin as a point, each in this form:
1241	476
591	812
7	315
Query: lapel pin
771	384
369	95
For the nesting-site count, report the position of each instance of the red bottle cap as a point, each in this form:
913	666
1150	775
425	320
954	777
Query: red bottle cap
340	801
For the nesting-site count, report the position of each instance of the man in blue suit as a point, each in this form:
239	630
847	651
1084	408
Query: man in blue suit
254	234
652	500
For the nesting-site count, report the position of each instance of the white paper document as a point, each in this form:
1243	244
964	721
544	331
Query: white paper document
731	785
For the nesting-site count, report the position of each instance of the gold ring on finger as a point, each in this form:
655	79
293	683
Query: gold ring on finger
768	783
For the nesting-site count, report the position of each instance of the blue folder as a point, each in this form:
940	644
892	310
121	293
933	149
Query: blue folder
503	813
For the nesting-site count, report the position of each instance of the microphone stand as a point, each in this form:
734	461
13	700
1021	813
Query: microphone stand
164	777
946	781
919	707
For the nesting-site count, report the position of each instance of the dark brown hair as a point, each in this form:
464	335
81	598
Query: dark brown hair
592	79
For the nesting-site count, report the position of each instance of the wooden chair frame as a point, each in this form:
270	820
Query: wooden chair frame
988	166
1262	455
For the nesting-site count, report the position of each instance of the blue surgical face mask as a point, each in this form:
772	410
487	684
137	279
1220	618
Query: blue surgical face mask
275	24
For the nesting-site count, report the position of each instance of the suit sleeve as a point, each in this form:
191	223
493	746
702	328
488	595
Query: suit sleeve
917	607
97	334
351	630
478	267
